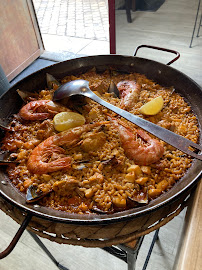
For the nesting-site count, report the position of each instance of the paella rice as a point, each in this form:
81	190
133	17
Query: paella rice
102	173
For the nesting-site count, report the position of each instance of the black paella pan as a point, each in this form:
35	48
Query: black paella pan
10	103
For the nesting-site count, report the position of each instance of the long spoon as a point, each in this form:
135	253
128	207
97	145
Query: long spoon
81	87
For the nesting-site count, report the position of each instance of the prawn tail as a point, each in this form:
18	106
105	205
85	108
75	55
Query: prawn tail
36	116
29	111
143	153
129	91
43	167
59	164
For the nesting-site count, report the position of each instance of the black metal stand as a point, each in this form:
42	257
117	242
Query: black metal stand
123	252
156	237
16	238
44	248
199	3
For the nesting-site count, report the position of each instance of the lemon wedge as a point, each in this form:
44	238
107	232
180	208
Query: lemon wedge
66	120
152	107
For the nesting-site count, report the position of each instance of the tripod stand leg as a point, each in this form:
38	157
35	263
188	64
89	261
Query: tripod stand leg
44	248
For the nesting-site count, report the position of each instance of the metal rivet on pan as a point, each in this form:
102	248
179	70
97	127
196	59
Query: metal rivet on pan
132	64
4	182
36	206
159	71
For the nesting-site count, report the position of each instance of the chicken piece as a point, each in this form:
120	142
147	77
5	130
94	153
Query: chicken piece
93	141
66	186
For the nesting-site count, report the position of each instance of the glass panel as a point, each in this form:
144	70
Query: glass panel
162	23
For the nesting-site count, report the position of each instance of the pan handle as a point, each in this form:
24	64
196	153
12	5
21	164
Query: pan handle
16	238
160	49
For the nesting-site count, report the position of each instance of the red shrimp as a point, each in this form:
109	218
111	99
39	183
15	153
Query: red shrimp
129	92
38	160
40	110
141	153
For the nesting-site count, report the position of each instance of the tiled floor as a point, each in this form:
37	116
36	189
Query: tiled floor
73	28
81	19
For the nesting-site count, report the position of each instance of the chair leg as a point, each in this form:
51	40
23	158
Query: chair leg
195	23
133	5
128	7
199	25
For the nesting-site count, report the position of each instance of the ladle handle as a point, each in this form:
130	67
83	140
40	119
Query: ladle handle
168	136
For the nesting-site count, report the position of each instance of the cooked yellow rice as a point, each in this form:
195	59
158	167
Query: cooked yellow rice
102	178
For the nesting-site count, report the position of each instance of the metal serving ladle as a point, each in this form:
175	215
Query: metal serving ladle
81	87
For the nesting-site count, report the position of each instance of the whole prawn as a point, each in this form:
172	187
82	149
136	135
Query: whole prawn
40	110
38	160
141	154
129	92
